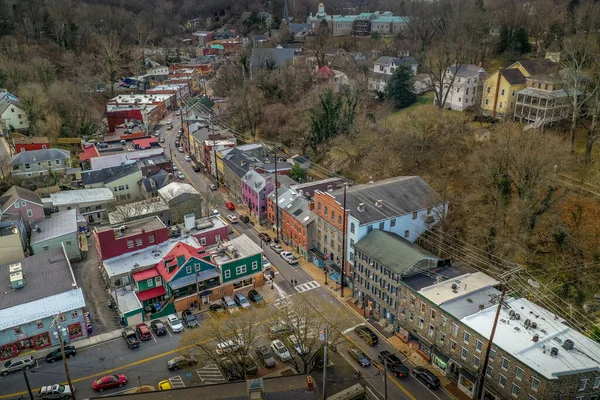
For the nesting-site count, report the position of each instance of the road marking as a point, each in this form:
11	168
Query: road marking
210	375
176	382
307	286
153	337
351	329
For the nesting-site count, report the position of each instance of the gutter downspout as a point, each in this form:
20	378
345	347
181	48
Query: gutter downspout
496	93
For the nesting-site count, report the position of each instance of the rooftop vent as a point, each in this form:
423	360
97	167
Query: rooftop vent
554	352
568	344
536	337
14	268
454	287
330	188
16	280
361	207
379	203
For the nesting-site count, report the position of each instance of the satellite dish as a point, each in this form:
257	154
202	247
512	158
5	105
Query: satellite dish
533	283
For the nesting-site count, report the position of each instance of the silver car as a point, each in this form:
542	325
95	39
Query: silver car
17	364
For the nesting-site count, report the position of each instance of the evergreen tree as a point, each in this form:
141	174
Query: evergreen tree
298	173
505	39
480	4
520	39
400	88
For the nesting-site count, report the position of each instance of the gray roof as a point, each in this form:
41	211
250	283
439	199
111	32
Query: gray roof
295	28
408	61
59	224
160	179
152	160
400	196
29	157
394	252
298	209
281	57
110	174
47	274
176	189
238	162
513	76
15	193
254	180
466	70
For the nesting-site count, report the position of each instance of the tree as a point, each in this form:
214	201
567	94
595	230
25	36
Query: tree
297	173
109	57
400	88
319	42
34	101
6	19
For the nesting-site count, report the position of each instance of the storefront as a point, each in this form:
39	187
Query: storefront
439	360
467	382
25	344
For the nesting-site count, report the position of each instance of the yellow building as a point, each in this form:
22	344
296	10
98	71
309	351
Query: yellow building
501	88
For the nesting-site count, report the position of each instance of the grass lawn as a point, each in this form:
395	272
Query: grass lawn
422	101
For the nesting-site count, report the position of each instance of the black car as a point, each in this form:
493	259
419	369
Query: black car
56	355
398	370
195	168
231	371
158	327
264	237
427	377
360	357
245	219
391	358
254	296
250	365
180	362
367	335
188	319
216	308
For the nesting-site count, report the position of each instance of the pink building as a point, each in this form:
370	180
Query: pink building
210	231
21	201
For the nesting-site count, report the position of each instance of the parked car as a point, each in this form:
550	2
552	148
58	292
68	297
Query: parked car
360	357
158	327
389	357
174	323
161	140
189	319
180	149
276	247
227	347
280	330
175	167
244	218
178	112
109	382
289	257
299	347
233	219
165	385
229	304
231	371
280	350
367	335
181	362
266	356
241	300
264	237
187	158
229	205
196	168
143	331
398	370
250	365
56	355
216	308
62	392
213	188
427	377
180	175
266	263
256	297
130	338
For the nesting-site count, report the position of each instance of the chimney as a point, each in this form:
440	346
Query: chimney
361	207
310	383
330	188
379	203
189	221
311	206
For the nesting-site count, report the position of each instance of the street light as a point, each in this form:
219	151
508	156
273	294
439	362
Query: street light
325	270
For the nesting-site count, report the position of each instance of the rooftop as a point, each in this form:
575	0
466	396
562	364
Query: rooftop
254	180
299	210
175	189
515	335
513	76
30	140
108	175
467	70
81	196
127	300
15	193
243	245
29	157
136	227
140	98
89	151
385	60
59	224
145	143
120	158
130	211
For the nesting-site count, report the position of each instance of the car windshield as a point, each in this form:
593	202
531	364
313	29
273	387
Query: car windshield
258	296
175	321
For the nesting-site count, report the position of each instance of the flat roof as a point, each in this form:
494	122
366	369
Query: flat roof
130	211
81	196
147	257
244	246
207	224
457	287
59	224
514	337
433	276
140	98
127	300
123	157
134	227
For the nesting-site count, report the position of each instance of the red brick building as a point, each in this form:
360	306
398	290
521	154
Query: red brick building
30	143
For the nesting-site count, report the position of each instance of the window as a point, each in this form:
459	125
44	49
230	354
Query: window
519	374
478	345
515	390
582	385
240	270
332	215
502	93
415	215
203	241
454	329
369	228
459	99
392	222
545	87
326	210
319	206
596	382
227	274
217	238
138	242
352	227
492	354
412	300
27	166
487	102
158	281
29	213
40	324
430	330
513	93
197	267
339	220
150	282
463	353
488	371
57	162
442	336
46	248
188	269
381	226
422	307
452	345
500	105
444	320
505	363
467	337
410	314
488	90
254	265
535	384
17	204
476	361
421	322
433	314
130	244
406	234
68	243
501	380
151	239
457	90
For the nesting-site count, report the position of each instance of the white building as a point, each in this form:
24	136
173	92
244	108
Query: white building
384	67
465	91
12	116
90	203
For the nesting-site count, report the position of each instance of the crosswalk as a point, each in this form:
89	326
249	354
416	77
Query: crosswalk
307	286
176	382
210	375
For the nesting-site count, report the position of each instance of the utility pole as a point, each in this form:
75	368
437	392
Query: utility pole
59	331
27	383
276	197
211	126
325	338
343	241
198	291
171	155
384	379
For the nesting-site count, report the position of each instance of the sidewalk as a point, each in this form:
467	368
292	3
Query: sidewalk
79	344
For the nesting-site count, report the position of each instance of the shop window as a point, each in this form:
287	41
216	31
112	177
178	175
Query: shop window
75	330
39	324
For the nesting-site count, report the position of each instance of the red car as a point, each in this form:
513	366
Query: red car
230	205
109	382
143	331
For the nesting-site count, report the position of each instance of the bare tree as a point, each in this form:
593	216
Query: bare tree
319	42
109	56
34	101
593	113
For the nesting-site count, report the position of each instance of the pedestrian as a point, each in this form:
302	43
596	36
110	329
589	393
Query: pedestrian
295	282
292	282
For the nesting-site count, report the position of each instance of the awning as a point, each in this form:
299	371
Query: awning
206	293
151	293
439	355
468	374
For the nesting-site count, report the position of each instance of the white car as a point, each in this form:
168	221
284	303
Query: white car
289	257
226	347
174	323
216	213
280	350
187	158
233	219
175	167
276	247
180	175
266	263
180	149
300	349
178	112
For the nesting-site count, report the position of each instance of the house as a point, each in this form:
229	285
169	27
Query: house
297	224
114	160
145	115
154	163
23	202
500	89
182	199
334	78
271	58
236	163
151	184
133	235
299	31
58	231
463	87
25	143
151	207
269	165
12	244
122	180
40	162
302	161
210	148
255	189
12	116
384	68
90	203
89	151
338	58
40	301
209	231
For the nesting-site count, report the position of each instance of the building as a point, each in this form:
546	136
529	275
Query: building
151	184
25	143
182	199
40	162
240	263
12	244
89	151
114	160
181	91
163	101
154	163
234	163
134	235
271	58
210	158
209	231
122	180
463	87
12	116
500	89
384	68
90	203
388	24
334	78
152	207
255	189
38	298
297	223
146	115
58	231
23	202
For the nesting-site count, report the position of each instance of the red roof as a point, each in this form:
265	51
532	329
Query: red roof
151	293
180	249
145	143
325	73
89	151
146	274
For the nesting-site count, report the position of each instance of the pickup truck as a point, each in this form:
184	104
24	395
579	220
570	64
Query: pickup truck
131	338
